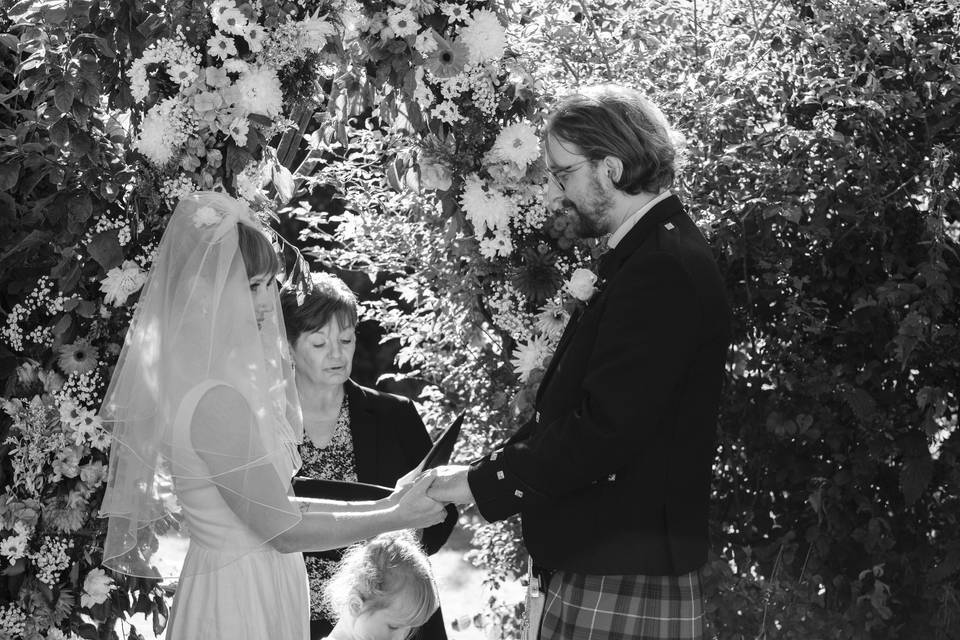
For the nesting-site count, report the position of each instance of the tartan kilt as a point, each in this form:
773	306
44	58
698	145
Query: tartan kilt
620	607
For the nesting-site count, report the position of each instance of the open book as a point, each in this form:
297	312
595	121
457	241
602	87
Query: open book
439	454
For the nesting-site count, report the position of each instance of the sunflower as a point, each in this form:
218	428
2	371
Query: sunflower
448	60
79	357
537	277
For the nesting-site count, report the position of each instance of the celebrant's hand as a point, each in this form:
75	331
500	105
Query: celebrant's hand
415	508
450	485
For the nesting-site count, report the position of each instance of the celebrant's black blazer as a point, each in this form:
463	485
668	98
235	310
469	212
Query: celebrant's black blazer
612	474
390	439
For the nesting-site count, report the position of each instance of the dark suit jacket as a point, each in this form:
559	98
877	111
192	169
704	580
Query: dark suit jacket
390	439
612	474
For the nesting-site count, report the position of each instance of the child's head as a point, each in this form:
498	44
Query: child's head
384	588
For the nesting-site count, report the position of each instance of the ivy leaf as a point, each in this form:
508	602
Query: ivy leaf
915	476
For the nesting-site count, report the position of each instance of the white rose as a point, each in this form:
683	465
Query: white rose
96	587
581	284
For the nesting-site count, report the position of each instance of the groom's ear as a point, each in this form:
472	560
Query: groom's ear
613	167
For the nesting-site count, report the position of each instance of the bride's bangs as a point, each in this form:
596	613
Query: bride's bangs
258	254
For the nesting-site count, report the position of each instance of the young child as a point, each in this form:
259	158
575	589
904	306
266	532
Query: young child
382	590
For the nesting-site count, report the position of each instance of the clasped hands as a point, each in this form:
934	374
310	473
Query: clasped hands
428	492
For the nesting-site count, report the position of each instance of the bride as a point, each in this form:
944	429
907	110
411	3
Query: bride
206	421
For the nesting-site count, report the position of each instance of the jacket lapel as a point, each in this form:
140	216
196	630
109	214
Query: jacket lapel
610	262
364	432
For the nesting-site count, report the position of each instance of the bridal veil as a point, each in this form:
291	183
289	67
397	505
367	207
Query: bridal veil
200	396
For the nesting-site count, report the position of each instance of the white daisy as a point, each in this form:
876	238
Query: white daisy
255	37
455	12
529	357
232	21
221	46
403	22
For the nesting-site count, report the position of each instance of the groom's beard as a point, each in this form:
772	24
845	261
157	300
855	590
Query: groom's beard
591	217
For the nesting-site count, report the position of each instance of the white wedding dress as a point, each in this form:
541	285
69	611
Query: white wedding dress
234	587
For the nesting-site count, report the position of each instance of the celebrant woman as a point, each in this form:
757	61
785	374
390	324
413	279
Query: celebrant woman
205	421
351	432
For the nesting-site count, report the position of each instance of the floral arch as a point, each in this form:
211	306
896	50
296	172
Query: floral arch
418	115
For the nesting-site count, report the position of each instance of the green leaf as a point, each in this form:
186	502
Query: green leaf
10	41
63	325
283	182
106	249
60	132
9	174
915	476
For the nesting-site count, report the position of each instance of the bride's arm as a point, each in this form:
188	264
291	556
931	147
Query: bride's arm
225	434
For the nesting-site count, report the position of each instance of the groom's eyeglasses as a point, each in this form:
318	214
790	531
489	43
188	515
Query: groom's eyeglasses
559	174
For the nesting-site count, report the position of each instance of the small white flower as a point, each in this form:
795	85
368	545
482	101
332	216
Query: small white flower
236	65
403	22
122	281
255	37
529	357
455	12
581	284
231	21
499	245
238	131
183	74
447	111
96	588
221	46
14	547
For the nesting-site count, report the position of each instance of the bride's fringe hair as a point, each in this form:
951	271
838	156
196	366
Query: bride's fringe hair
259	256
381	571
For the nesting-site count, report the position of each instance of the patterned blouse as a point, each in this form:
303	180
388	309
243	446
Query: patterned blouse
336	461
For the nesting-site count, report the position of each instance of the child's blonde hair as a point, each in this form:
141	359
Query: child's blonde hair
381	570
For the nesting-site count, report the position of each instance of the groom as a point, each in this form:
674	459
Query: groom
612	474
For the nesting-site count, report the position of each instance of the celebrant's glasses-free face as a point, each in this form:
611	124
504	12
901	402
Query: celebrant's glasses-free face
563	172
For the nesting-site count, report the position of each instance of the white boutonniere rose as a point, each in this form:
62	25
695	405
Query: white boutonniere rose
582	284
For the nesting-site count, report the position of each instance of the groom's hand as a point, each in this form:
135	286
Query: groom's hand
450	485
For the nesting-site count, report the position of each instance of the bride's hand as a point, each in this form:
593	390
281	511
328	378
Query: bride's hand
414	508
408	478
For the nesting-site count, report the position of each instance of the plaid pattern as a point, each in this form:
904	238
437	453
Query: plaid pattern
621	607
